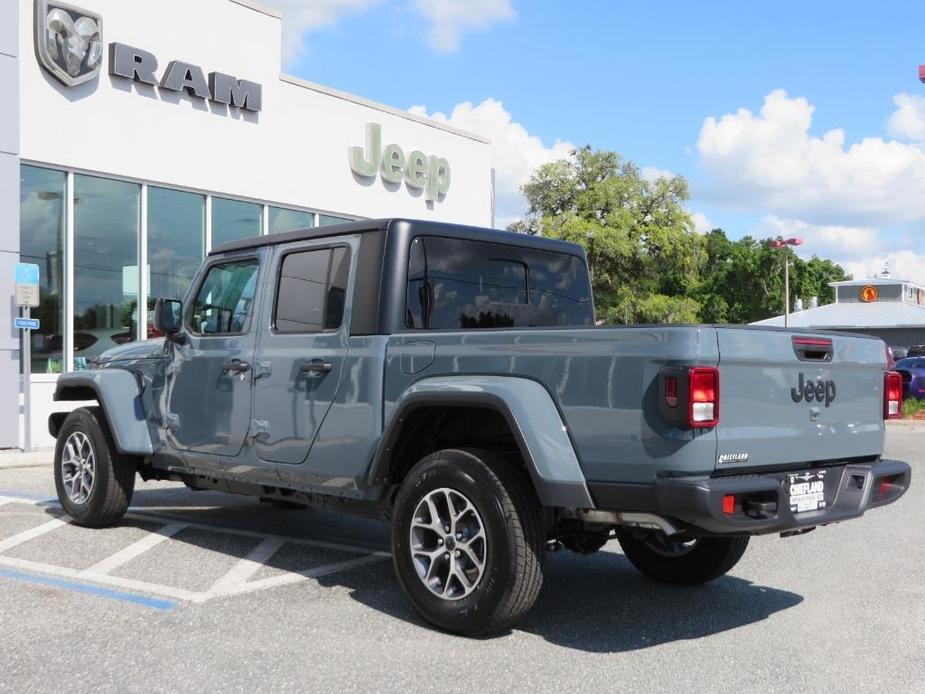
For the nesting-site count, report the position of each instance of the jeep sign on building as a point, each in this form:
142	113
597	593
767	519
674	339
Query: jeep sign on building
146	133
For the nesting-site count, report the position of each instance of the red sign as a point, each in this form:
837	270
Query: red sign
868	294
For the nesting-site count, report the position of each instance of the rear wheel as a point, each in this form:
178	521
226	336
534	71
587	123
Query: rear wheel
467	541
682	561
93	480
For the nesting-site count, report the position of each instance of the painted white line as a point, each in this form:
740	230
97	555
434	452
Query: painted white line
105	579
140	514
248	566
169	517
297	577
233	582
27	535
136	549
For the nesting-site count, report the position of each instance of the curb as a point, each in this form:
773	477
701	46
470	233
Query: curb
905	423
15	459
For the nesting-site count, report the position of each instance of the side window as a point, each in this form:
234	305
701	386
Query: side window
312	290
458	284
224	301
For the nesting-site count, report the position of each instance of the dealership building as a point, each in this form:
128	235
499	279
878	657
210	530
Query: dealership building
885	306
141	134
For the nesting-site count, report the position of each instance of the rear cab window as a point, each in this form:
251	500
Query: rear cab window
311	290
457	284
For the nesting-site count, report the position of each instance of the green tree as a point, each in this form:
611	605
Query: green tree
743	281
648	264
642	249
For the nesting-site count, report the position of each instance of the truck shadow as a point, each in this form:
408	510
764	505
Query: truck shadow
597	603
601	604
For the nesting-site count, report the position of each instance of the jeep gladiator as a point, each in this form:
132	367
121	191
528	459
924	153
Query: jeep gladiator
451	380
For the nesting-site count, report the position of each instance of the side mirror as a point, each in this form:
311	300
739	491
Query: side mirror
168	316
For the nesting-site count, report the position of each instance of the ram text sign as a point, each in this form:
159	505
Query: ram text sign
141	66
418	170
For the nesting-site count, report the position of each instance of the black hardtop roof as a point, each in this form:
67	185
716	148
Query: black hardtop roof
415	226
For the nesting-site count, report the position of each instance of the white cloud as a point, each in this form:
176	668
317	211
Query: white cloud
515	152
447	20
772	161
450	19
301	17
651	173
908	120
826	241
702	223
907	265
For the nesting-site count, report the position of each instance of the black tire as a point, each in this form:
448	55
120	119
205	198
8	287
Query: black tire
658	558
113	480
506	504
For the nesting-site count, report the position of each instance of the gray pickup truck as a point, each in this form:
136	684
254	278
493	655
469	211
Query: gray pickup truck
451	380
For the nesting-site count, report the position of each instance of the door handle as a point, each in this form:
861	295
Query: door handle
316	366
235	366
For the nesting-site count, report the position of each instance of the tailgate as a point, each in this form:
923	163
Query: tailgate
782	403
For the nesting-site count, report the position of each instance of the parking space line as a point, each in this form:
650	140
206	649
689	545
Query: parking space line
248	566
296	576
234	582
89	589
323	544
30	534
106	579
136	549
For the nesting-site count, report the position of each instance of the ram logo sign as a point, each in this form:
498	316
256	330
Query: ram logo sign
419	171
68	41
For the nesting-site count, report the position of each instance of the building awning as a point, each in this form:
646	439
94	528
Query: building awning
882	314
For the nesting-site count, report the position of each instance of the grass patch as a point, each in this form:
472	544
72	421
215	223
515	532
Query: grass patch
913	406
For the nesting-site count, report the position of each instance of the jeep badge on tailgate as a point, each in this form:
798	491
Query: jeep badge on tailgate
820	391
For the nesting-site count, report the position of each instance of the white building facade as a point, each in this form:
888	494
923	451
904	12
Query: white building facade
141	134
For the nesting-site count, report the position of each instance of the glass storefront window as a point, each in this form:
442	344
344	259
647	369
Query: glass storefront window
282	220
234	219
326	219
106	216
176	235
42	199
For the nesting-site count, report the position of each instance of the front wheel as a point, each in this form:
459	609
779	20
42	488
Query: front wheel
682	561
94	481
467	541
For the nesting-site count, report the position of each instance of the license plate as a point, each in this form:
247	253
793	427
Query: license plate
807	491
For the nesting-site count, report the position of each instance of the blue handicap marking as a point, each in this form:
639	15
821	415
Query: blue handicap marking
26	323
27	273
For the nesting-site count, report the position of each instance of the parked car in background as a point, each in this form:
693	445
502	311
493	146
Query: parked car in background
916	351
899	352
912	370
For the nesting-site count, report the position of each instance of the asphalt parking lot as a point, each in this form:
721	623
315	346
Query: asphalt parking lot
205	591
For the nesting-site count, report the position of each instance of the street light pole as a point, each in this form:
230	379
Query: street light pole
784	243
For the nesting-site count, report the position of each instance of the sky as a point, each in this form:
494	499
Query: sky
786	118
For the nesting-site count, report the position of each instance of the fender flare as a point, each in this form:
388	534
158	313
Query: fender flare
119	396
531	414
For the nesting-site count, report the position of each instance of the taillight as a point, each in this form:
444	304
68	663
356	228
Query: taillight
703	397
892	395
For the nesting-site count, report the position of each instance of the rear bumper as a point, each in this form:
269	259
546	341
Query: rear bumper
761	500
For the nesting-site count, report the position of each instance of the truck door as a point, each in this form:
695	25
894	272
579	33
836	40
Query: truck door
209	378
302	348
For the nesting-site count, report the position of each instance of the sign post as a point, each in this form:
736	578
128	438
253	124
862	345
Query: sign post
27	297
